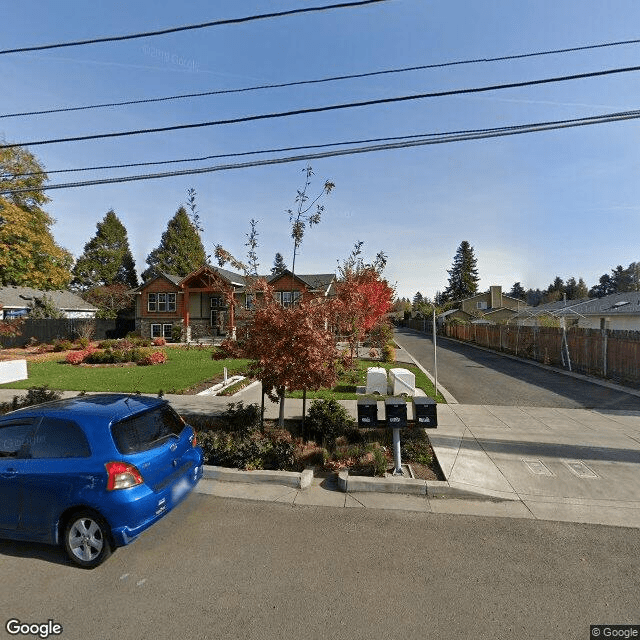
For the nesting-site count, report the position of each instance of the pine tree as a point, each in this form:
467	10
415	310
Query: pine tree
517	291
29	255
417	299
463	275
107	259
278	265
180	251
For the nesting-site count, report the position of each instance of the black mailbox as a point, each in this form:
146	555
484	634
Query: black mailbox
425	412
367	413
396	410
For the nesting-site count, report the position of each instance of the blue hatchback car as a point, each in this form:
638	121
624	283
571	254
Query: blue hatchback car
93	472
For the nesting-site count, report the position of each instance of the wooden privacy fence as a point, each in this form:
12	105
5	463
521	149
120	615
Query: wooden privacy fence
614	355
49	329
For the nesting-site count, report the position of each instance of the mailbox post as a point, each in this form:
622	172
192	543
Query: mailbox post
396	410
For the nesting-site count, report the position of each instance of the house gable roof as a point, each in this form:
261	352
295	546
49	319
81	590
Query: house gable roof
158	274
314	281
203	272
21	297
615	304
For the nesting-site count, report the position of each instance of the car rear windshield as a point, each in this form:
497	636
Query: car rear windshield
147	430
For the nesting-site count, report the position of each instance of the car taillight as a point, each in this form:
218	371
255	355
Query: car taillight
194	439
122	476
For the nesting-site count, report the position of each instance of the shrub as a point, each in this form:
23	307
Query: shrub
83	342
389	352
75	357
328	420
107	344
273	450
240	418
416	451
157	357
159	342
62	345
176	333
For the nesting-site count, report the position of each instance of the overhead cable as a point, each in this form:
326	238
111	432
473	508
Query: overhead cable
297	83
190	27
334	107
244	153
462	137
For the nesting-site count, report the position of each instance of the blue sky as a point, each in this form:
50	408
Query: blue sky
533	206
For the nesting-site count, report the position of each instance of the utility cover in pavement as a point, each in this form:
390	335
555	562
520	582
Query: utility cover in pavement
538	467
580	469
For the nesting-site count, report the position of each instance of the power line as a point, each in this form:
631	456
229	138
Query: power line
461	137
245	153
335	107
297	83
203	25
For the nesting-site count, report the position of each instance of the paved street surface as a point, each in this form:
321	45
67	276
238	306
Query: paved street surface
478	376
221	568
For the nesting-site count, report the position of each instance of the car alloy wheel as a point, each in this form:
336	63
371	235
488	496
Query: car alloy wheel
86	540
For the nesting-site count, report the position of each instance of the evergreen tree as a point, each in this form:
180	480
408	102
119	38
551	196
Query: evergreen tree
463	275
576	290
107	258
29	255
180	251
417	299
622	279
605	287
278	265
517	291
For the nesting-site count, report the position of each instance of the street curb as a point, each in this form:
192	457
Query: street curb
444	392
295	479
414	486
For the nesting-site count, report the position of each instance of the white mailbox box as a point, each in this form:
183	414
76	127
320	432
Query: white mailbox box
377	380
402	381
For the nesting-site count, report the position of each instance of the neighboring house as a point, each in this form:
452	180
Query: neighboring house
491	307
17	302
619	311
198	305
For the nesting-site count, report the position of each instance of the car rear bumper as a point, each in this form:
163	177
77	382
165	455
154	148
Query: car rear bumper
139	514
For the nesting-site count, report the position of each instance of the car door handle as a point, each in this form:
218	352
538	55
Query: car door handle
9	473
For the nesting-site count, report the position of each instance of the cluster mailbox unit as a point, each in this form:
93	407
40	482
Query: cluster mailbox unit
424	415
424	412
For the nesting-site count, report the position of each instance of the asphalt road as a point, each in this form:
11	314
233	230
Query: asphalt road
219	568
476	376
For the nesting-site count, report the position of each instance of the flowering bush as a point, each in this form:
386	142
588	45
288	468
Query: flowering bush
78	357
159	342
157	357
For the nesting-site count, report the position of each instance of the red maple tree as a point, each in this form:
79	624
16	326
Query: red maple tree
289	348
362	300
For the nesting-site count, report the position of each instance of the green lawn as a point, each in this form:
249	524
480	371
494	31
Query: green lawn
345	388
184	369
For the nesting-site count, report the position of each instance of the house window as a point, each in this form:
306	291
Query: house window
215	301
162	302
285	297
161	331
481	305
249	301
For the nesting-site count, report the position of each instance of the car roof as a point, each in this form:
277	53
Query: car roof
110	407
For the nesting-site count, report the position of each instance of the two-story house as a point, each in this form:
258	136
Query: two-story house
206	302
493	307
